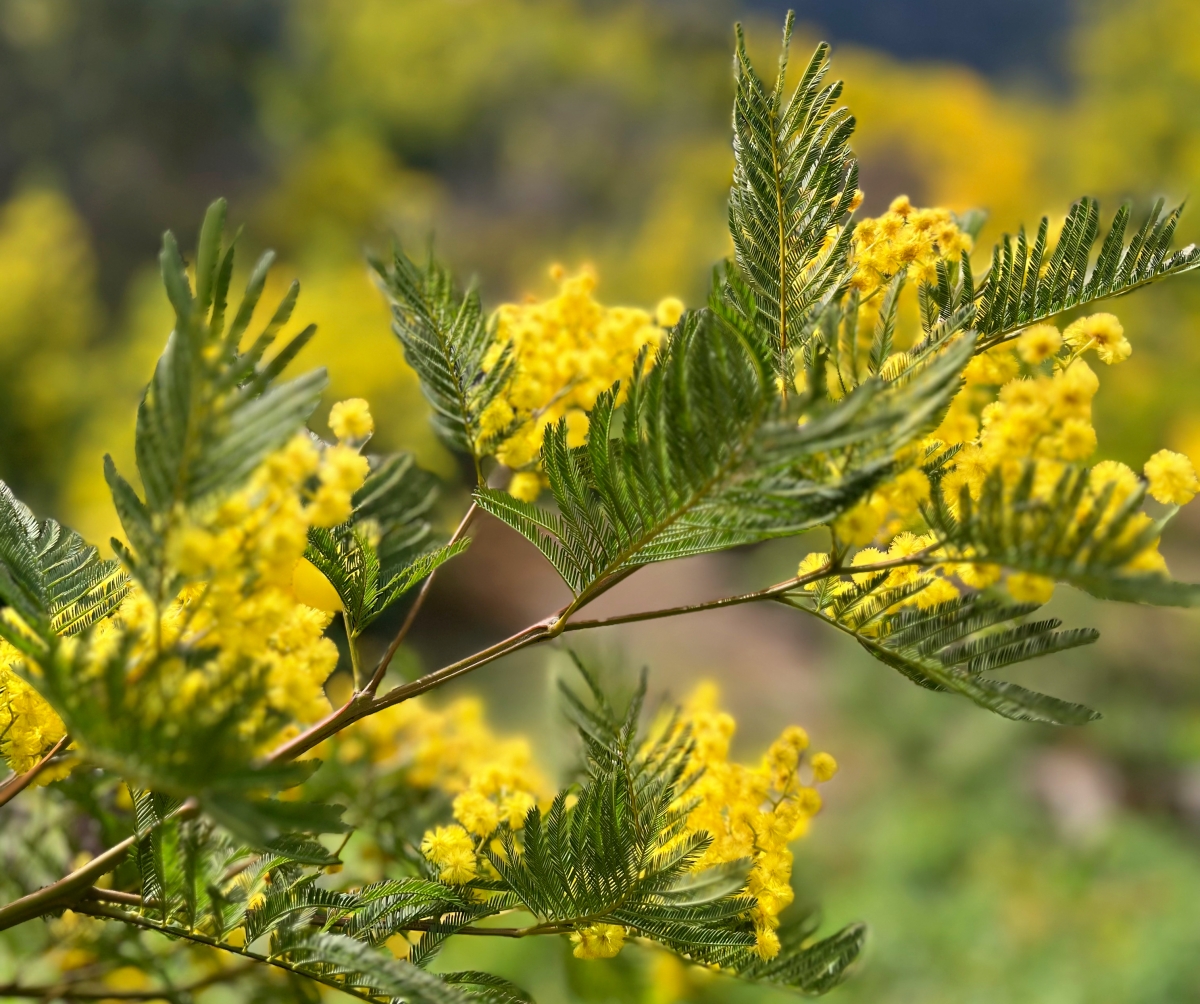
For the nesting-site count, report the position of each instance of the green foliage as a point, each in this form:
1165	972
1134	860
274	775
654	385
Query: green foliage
387	546
58	584
445	338
793	183
710	455
1027	284
212	411
950	646
1047	536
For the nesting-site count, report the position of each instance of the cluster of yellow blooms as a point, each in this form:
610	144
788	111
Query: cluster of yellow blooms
751	812
492	779
29	727
239	555
905	238
1023	402
565	352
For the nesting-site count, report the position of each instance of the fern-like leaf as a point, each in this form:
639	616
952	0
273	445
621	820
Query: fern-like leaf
950	646
710	456
1028	283
58	584
387	546
793	184
212	411
1065	534
445	338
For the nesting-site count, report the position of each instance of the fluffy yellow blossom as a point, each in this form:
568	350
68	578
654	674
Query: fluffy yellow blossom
492	779
813	562
905	238
451	850
598	941
668	312
1025	587
750	812
351	419
29	727
823	766
859	524
241	615
477	813
565	351
1102	332
766	942
525	485
867	556
1039	343
1172	478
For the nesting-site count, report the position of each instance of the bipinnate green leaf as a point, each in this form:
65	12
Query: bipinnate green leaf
1070	533
446	339
373	973
1028	283
387	546
710	456
793	184
213	409
812	967
952	646
58	584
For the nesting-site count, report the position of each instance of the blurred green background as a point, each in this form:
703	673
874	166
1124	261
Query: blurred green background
995	862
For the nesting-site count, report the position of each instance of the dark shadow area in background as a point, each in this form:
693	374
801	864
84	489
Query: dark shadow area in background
142	110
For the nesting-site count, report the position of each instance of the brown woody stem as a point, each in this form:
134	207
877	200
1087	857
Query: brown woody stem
15	785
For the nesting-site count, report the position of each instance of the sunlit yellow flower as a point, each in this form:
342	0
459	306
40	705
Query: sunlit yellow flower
351	419
598	941
1172	478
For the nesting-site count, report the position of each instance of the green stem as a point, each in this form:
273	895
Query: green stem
15	785
70	887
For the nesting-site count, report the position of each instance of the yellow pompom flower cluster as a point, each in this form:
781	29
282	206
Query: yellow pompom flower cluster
1172	478
598	941
29	727
239	555
491	778
751	812
351	420
905	238
451	850
565	351
1023	402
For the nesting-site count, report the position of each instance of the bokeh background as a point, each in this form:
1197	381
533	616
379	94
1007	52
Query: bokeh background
995	861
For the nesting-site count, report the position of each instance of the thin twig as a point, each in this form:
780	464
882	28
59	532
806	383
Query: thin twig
71	991
15	785
111	913
71	886
411	616
769	593
361	705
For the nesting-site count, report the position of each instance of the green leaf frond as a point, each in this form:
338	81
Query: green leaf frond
56	583
1028	283
196	880
446	338
793	184
1067	534
387	546
709	455
811	967
213	409
952	646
